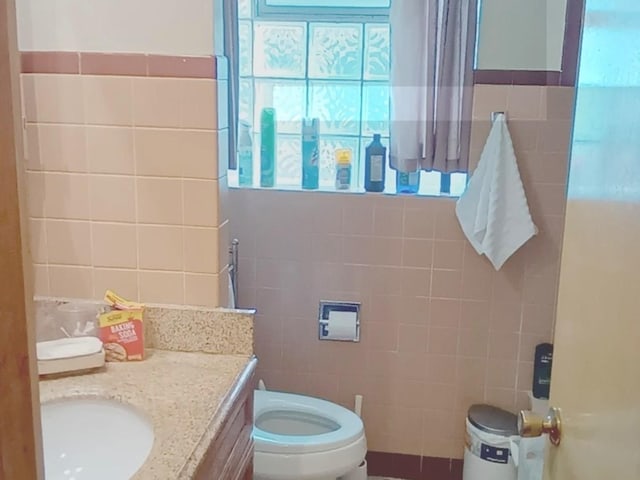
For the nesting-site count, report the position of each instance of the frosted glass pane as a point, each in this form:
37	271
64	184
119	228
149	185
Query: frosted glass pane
245	32
246	100
375	114
288	97
289	159
458	184
430	183
244	8
335	51
337	105
376	52
280	49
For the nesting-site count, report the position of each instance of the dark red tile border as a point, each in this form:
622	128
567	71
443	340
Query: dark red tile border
570	56
413	467
50	62
113	64
132	64
190	67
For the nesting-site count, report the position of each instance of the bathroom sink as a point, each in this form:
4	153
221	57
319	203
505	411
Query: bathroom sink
93	439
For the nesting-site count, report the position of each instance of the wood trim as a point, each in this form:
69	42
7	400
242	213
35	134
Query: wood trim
20	437
230	454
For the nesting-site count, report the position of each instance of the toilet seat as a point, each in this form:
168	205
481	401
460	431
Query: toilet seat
348	426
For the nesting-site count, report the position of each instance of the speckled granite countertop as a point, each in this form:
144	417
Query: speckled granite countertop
184	394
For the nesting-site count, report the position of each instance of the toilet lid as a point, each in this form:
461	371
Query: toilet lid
288	423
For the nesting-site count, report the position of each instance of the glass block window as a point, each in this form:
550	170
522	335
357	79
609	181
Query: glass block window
336	70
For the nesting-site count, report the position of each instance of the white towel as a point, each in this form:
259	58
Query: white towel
493	211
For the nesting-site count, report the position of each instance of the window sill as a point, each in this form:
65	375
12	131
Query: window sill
331	190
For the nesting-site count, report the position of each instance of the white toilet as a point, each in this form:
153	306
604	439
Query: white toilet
304	438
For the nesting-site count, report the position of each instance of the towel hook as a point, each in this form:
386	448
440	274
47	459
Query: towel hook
494	115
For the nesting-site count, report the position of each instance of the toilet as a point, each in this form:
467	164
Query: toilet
304	438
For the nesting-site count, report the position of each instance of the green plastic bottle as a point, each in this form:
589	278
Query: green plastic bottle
268	148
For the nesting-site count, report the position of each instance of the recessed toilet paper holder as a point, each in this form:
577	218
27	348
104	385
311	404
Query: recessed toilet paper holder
345	312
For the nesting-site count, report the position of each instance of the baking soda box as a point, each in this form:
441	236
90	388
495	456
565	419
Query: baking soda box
122	329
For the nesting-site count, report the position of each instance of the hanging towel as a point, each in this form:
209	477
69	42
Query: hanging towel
493	211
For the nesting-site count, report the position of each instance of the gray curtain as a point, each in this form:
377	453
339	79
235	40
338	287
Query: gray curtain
232	52
433	49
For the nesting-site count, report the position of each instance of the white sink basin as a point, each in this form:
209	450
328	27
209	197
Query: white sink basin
93	439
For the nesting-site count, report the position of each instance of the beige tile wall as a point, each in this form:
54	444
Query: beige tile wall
125	188
441	329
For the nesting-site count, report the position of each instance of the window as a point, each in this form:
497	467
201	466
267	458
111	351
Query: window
318	58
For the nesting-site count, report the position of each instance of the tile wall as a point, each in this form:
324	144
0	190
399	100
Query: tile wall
125	190
441	329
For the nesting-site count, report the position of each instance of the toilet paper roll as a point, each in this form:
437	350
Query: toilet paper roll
342	325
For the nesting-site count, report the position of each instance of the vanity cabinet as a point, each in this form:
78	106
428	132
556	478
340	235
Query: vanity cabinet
230	455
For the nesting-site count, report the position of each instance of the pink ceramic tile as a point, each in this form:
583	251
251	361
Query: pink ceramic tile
381	336
443	341
156	102
417	253
357	219
113	198
559	103
160	248
410	393
504	398
194	95
488	99
412	310
114	245
113	64
125	282
555	135
501	373
475	314
38	240
413	338
388	221
68	242
446	284
439	397
56	148
538	319
53	98
67	196
326	248
473	342
506	317
416	282
447	225
162	287
477	276
71	282
110	150
108	100
547	199
441	369
445	312
383	363
35	189
41	280
528	343
525	102
201	250
202	290
393	280
524	134
386	251
541	290
507	285
525	376
504	345
159	200
419	222
448	255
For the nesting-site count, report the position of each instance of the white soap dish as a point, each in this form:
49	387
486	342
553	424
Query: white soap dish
69	355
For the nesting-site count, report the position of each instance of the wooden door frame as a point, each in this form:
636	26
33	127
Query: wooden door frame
20	434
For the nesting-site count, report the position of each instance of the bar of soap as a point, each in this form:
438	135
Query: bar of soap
68	348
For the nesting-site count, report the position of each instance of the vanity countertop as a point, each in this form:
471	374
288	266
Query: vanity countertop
186	395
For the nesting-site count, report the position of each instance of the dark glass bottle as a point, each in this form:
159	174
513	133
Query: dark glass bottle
375	166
